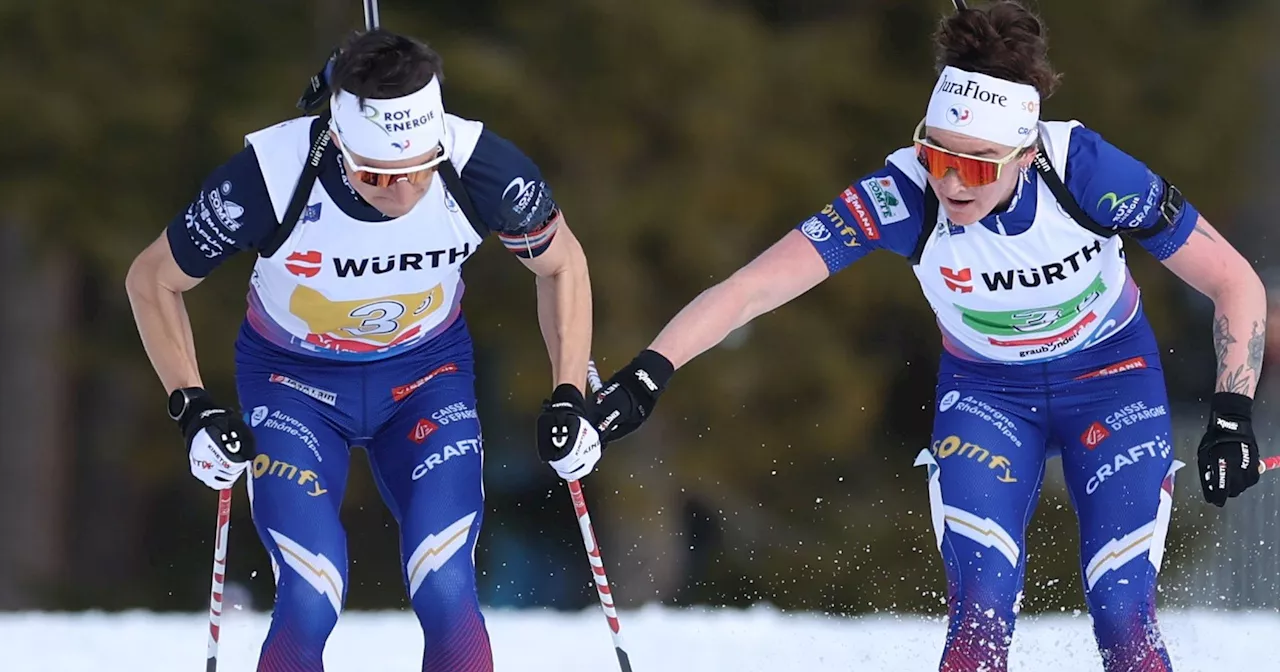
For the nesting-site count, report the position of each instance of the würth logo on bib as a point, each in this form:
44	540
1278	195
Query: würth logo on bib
958	281
304	264
406	261
1046	274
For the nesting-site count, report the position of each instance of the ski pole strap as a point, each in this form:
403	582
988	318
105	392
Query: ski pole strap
319	145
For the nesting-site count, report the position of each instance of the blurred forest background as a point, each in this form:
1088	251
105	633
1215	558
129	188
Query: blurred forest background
681	138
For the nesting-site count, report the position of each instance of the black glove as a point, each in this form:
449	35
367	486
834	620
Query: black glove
194	410
566	440
1228	453
628	398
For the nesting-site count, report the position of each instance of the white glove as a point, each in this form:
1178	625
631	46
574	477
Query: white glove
582	456
219	461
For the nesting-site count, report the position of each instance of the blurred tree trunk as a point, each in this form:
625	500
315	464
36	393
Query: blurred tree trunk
110	505
39	425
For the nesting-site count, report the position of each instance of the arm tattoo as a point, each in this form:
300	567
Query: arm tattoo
1243	378
1202	231
1256	346
1221	339
1228	381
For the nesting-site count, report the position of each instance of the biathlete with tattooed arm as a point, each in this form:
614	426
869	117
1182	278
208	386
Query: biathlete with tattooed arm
1015	228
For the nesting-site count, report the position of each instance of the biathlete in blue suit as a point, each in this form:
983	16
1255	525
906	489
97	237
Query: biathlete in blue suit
1015	229
354	336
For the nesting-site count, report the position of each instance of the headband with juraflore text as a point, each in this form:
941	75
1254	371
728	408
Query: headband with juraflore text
985	107
390	129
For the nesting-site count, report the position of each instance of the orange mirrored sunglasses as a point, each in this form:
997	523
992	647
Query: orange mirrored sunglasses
385	177
973	171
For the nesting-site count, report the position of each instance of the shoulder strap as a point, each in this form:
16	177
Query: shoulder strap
1063	195
453	182
1170	205
927	223
319	143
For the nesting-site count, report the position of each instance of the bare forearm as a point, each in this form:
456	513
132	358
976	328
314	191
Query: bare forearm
1239	335
703	323
783	272
1209	263
165	329
564	316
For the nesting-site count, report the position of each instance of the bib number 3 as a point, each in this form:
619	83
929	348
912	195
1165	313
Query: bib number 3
377	318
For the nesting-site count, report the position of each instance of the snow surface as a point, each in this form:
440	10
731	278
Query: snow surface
659	639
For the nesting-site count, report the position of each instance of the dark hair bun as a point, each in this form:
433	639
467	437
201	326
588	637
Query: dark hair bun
1004	40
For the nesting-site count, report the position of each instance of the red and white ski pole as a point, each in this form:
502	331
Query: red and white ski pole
1269	463
219	577
593	549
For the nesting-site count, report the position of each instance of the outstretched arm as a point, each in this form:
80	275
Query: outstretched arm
1216	269
789	268
880	212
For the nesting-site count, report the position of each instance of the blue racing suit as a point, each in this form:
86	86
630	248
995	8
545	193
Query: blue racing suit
358	377
1097	400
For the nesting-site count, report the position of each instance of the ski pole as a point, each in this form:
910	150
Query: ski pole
1269	463
593	549
219	577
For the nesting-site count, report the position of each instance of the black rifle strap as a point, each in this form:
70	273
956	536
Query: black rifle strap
453	182
319	144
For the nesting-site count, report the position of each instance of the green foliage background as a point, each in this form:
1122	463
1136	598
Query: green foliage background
681	138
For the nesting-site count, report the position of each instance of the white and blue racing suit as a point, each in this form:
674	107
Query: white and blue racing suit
1046	351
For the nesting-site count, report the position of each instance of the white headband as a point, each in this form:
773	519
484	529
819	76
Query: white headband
981	106
390	129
